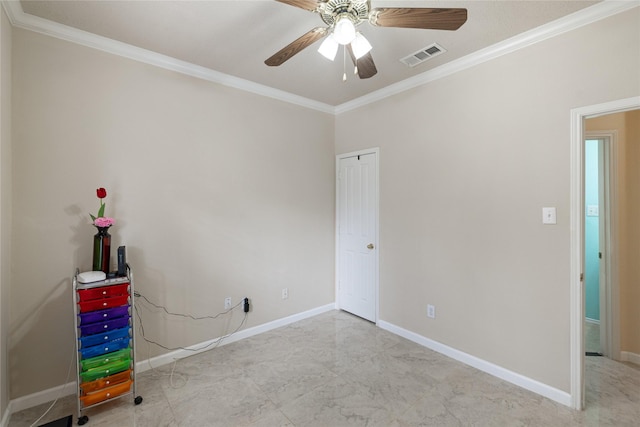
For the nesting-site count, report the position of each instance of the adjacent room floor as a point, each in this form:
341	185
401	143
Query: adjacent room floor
338	370
592	337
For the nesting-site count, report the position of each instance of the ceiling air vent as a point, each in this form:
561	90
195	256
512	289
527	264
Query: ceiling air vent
422	55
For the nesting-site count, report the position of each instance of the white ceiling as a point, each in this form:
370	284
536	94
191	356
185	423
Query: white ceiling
235	37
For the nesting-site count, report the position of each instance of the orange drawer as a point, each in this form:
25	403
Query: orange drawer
103	292
106	393
109	381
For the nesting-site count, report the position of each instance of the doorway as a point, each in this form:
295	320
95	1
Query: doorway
598	194
357	216
577	291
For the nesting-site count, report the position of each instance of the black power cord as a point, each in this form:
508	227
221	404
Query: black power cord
216	342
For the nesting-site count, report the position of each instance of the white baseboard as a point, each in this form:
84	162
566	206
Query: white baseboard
51	394
5	417
40	397
627	356
488	367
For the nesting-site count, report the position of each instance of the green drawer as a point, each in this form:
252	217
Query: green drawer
105	370
104	359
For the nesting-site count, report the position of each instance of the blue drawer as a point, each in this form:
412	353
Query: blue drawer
104	338
109	347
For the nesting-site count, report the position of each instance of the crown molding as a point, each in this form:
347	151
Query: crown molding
568	23
20	19
586	16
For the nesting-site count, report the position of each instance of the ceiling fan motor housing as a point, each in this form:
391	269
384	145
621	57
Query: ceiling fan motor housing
332	10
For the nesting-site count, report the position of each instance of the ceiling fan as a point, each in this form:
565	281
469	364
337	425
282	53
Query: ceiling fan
342	18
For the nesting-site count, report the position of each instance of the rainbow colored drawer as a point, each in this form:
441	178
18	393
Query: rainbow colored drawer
103	315
102	371
103	303
106	393
111	380
103	338
103	292
100	350
101	327
105	341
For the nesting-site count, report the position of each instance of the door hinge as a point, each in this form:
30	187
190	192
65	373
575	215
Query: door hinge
600	255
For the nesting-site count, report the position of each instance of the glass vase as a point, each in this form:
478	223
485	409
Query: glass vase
102	250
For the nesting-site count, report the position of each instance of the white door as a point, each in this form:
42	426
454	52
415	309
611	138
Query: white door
357	223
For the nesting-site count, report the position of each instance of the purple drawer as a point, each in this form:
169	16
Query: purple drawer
95	328
103	315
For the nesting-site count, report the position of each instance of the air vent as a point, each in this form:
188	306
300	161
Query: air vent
422	55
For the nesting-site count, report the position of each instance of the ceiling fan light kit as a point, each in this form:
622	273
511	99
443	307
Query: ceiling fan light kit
343	17
344	31
329	48
360	46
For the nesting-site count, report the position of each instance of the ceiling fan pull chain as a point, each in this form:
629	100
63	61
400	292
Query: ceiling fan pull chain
344	63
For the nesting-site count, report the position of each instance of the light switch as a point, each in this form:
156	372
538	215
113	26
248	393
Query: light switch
549	216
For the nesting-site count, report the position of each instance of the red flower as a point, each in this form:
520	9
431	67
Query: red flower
102	194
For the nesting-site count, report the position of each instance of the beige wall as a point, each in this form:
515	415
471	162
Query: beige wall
627	127
216	192
221	193
467	163
5	204
630	297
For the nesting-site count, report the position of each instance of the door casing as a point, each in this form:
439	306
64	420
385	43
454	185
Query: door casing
576	290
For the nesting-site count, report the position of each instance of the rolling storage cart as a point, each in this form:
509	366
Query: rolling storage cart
105	329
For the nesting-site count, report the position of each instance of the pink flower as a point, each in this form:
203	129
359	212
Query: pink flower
104	221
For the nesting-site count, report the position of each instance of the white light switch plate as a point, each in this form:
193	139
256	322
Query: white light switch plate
549	216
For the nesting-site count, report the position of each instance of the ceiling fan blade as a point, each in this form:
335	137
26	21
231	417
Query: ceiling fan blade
310	5
296	46
425	18
365	65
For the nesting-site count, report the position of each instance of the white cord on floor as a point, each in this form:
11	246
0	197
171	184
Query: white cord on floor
59	392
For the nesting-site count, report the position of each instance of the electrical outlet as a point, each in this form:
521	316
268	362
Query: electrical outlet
285	293
431	311
227	303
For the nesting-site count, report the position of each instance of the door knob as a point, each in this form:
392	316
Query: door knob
370	246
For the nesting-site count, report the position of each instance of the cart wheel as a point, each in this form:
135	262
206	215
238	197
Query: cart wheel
137	400
83	420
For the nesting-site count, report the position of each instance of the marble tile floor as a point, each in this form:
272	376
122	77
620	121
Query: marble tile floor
591	337
338	370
